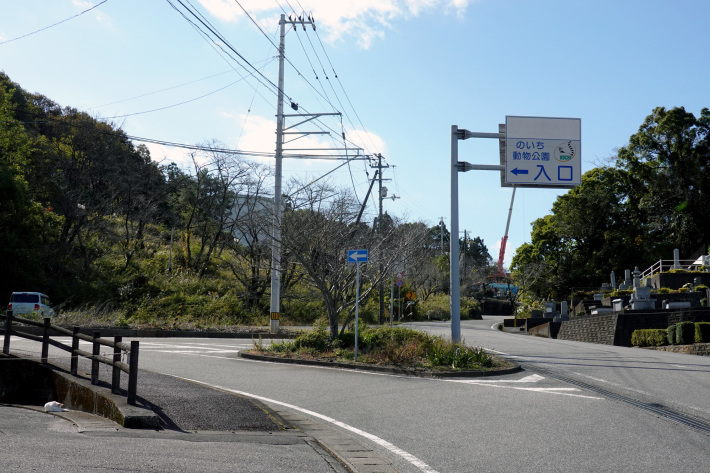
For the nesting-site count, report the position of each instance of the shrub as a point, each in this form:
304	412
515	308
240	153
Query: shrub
663	290
382	337
649	338
671	334
702	332
317	340
457	355
701	288
685	333
437	305
621	293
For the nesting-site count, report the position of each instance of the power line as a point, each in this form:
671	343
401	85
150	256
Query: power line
177	104
55	24
344	92
163	90
219	36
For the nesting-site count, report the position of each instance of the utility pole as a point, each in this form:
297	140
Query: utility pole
382	195
275	307
281	131
441	234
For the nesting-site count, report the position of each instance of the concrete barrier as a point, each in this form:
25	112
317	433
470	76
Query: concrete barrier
28	382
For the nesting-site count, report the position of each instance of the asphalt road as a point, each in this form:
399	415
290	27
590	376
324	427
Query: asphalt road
578	407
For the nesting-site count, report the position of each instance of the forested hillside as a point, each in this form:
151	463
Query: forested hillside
88	218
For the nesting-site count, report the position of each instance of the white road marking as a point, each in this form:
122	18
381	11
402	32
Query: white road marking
534	378
379	441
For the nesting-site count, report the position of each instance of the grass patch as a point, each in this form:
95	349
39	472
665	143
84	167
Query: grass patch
385	346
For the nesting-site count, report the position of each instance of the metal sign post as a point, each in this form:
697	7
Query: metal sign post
357	257
539	152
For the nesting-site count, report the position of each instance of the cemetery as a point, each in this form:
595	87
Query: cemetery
667	293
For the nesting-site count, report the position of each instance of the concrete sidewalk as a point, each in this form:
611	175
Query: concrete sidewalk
200	429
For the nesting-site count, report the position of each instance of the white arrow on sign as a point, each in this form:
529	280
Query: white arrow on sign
357	256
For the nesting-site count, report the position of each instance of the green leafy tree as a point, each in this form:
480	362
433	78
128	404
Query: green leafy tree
666	164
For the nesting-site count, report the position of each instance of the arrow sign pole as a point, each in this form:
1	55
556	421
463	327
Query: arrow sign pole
357	257
357	306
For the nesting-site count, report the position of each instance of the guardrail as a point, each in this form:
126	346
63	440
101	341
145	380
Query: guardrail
666	265
131	368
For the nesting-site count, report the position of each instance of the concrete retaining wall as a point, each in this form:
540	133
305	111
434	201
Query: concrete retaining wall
28	382
616	328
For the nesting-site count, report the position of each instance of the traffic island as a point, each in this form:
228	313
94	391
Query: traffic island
509	367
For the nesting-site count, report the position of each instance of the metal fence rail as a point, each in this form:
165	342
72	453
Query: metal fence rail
130	368
665	265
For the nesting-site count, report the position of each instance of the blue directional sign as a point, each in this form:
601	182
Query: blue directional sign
357	256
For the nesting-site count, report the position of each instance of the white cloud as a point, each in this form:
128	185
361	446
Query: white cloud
167	154
366	20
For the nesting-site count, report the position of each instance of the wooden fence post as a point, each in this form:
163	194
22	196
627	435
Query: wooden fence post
116	378
8	329
74	348
45	340
95	363
133	373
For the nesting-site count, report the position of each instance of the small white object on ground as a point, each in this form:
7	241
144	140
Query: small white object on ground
54	406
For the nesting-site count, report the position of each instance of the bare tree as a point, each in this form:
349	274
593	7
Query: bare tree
320	228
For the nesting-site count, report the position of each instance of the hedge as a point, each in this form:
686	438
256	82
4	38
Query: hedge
702	332
671	334
685	333
649	338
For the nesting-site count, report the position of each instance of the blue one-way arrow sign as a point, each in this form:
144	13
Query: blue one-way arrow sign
357	256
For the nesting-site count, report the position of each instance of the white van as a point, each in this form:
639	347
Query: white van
23	303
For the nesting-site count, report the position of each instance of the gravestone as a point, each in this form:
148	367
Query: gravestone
676	259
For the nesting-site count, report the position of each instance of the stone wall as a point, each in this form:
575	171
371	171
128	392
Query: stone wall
677	280
702	349
616	328
591	329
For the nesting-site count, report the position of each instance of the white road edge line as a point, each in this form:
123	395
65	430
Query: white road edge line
381	442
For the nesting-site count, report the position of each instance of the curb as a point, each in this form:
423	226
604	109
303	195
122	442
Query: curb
383	369
81	395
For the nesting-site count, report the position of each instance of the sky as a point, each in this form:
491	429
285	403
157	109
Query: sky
400	72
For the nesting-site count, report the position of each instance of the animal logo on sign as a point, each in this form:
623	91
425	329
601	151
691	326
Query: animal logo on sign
565	152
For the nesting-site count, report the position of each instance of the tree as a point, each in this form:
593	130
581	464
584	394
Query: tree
654	200
666	164
26	224
249	255
320	227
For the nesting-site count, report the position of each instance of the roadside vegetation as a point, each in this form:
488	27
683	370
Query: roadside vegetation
384	346
116	237
682	333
